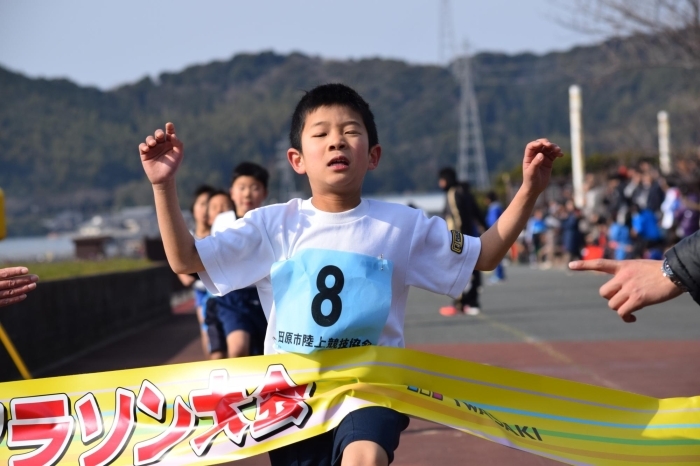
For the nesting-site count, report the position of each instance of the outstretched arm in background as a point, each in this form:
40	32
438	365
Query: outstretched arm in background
15	284
537	169
161	155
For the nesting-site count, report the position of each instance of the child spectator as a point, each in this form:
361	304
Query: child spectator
336	267
535	233
201	230
218	204
240	313
620	235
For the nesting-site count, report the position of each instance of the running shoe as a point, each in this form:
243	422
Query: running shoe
449	311
472	310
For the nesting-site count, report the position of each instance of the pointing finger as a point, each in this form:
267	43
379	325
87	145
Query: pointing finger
599	265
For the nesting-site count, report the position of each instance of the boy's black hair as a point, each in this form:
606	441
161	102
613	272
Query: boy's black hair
201	189
250	169
218	192
449	175
326	95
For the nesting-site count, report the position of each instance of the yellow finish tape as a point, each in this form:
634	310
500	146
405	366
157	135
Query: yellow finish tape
216	411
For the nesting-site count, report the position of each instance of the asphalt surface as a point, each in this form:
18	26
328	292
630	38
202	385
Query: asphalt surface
549	322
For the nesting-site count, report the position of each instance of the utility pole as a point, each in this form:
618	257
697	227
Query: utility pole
664	142
577	157
471	159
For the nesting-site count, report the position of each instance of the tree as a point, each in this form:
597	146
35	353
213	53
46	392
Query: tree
663	32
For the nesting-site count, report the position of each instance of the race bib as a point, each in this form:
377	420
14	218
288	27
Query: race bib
330	299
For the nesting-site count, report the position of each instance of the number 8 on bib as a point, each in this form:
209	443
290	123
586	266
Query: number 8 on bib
327	299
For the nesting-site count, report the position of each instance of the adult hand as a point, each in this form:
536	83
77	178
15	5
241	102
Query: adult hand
161	155
636	284
15	284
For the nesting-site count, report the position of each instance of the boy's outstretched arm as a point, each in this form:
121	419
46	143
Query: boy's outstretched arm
161	155
537	169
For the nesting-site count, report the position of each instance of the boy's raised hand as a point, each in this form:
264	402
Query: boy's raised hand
537	164
161	155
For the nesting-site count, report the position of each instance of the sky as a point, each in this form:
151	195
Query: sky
109	43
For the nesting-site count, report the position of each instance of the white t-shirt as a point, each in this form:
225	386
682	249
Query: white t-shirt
223	221
335	280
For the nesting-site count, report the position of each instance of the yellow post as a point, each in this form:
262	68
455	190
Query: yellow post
14	354
4	338
3	226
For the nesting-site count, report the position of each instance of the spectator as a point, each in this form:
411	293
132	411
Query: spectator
535	233
463	215
571	232
620	235
689	212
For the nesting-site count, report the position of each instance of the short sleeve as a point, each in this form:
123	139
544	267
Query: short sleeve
236	257
440	260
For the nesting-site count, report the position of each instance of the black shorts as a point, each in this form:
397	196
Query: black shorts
237	310
377	424
215	330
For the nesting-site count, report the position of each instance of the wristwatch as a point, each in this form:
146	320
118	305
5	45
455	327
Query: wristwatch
668	273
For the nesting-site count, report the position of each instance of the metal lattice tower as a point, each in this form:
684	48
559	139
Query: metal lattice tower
447	34
471	159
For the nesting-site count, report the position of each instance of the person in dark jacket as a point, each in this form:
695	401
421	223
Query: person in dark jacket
462	214
640	283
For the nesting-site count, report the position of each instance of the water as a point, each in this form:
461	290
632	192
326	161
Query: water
36	248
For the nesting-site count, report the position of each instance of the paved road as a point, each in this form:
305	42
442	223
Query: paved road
547	322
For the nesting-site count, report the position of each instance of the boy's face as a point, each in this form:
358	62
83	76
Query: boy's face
199	210
335	151
217	205
247	193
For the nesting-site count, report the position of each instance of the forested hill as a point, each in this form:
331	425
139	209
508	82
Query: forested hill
65	146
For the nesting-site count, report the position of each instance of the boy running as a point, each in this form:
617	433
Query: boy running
334	270
239	312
